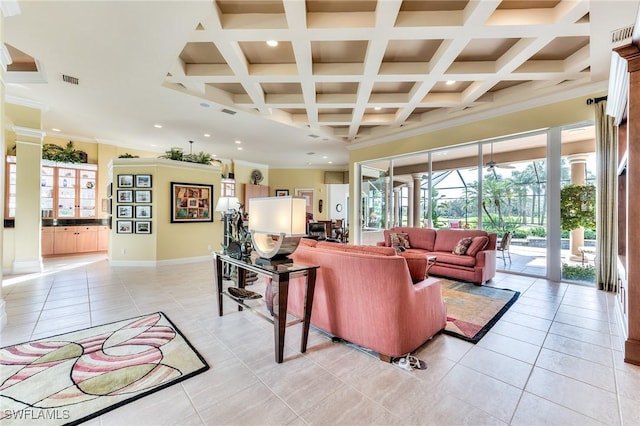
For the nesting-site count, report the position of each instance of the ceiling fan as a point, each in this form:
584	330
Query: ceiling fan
491	165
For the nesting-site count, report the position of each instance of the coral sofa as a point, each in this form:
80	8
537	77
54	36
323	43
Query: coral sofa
477	264
366	295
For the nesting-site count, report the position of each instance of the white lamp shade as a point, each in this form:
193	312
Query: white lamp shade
278	215
227	203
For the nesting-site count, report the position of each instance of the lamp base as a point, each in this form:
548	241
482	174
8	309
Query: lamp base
278	260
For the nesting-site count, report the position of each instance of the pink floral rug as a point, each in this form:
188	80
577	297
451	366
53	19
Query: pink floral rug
73	377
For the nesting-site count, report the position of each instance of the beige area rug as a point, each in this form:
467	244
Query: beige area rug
73	377
472	310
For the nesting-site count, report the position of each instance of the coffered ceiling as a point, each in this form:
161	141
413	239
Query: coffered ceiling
343	72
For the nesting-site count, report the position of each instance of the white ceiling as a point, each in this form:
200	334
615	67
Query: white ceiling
306	101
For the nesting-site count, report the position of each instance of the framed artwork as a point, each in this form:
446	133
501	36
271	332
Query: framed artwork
125	196
124	226
109	189
308	195
143	212
143	227
143	196
125	181
282	192
191	202
143	181
125	211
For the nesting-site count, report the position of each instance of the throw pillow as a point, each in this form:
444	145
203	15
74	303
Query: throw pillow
478	244
462	246
400	239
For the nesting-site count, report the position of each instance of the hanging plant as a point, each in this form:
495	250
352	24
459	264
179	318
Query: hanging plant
127	155
60	154
577	206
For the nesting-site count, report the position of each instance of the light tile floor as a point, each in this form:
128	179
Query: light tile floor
554	357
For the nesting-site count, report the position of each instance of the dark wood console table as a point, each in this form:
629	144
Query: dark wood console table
280	275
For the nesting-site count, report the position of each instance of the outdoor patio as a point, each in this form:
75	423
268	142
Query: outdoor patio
533	260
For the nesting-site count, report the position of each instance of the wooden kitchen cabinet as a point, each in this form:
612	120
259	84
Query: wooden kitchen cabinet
47	241
75	239
103	238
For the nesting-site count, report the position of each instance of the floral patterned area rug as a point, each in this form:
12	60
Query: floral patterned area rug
73	377
472	310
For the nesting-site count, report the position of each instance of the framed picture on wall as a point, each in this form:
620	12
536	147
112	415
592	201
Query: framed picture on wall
125	181
143	196
191	202
282	192
124	211
143	181
124	226
143	227
143	212
125	196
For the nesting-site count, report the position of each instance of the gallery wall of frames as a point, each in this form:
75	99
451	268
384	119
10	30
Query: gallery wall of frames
132	209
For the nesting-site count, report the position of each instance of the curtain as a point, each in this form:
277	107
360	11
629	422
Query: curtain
606	199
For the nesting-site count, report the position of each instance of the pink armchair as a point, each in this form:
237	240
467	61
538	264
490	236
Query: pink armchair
366	296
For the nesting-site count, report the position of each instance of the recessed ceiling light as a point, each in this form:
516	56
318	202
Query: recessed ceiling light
324	156
238	142
154	145
272	43
450	82
207	135
55	129
239	148
158	126
377	108
330	162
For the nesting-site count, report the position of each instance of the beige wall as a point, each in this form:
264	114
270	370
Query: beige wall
301	178
168	241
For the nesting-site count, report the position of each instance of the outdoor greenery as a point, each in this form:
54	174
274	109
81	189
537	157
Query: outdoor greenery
577	206
579	272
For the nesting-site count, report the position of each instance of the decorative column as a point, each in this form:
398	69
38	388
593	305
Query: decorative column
410	203
388	202
396	206
417	192
578	163
7	8
28	224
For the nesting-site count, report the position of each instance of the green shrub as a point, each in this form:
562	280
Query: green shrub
519	233
564	234
539	231
589	234
579	272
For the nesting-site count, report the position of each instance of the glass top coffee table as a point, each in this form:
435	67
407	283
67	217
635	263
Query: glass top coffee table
280	274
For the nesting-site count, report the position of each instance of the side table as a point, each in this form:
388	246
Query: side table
280	274
431	261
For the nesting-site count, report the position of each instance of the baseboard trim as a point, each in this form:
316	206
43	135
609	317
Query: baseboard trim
27	266
153	263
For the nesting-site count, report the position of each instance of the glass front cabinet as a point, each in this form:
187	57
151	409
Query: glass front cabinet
67	191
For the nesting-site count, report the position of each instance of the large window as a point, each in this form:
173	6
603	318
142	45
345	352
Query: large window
497	185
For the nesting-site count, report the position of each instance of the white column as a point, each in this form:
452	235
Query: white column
28	222
578	163
396	206
417	192
7	8
410	204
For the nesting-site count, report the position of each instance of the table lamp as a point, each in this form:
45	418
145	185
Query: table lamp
276	225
